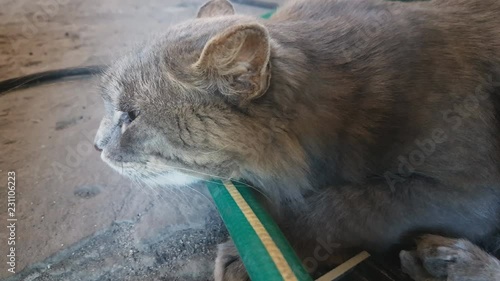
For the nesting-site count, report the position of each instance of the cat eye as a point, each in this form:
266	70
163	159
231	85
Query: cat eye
132	115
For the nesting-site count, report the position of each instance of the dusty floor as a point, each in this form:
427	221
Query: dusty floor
77	219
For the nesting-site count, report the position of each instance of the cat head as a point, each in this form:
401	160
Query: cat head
190	105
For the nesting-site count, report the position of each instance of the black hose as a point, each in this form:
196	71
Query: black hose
47	76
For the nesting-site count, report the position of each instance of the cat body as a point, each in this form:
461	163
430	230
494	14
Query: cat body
364	123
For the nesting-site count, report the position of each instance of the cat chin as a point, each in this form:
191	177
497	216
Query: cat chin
169	179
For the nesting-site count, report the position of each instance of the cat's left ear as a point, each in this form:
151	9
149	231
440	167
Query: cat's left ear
238	61
215	8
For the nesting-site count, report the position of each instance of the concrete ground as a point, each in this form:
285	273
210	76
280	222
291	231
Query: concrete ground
76	218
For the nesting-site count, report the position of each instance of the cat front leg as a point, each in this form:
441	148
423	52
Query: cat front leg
440	258
228	264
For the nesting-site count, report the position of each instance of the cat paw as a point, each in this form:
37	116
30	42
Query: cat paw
228	265
441	258
437	253
411	265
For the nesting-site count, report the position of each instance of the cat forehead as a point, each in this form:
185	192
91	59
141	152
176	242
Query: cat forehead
158	66
135	80
112	80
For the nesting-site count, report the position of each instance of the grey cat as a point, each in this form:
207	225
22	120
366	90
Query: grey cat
366	124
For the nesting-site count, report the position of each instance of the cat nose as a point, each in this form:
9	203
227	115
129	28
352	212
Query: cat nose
97	147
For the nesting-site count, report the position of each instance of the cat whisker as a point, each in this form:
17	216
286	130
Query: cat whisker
173	186
201	193
141	182
163	166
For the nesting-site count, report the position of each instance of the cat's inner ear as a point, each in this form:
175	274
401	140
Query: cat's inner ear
215	8
238	61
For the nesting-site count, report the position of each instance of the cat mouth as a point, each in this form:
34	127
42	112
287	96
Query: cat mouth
120	166
149	174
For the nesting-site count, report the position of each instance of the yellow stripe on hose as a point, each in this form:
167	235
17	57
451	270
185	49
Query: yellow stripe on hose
276	255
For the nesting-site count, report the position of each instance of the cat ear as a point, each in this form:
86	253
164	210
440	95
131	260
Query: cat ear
238	60
215	8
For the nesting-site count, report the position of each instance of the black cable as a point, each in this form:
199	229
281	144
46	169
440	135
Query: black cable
47	76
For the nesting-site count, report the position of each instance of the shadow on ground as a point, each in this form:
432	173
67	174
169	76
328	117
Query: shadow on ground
114	254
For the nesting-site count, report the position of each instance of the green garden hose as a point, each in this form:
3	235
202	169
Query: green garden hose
263	248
